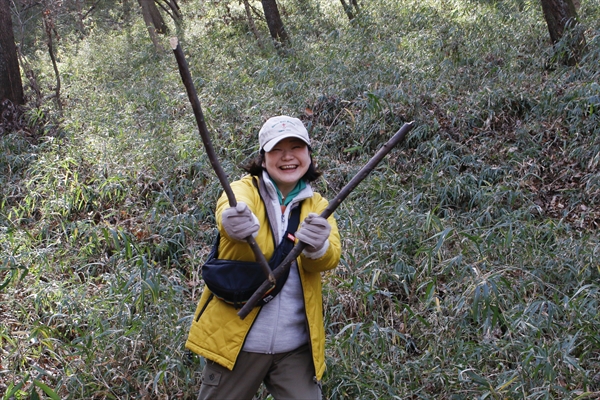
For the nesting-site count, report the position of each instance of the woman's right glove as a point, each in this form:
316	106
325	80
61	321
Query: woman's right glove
239	222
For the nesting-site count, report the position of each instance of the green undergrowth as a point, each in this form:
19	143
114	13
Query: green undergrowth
470	260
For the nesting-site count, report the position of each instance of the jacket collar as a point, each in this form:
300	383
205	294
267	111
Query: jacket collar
305	193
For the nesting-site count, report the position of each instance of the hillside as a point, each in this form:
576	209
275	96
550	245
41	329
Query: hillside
471	255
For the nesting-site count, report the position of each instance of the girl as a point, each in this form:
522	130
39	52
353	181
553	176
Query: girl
283	342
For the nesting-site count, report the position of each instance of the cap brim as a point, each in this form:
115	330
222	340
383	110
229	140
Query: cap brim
271	143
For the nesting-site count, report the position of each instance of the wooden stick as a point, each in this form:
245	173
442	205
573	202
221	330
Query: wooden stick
186	77
333	205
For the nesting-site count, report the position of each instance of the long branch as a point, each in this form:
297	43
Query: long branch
186	77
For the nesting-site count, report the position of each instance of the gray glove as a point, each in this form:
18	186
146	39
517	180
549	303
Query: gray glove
314	231
239	222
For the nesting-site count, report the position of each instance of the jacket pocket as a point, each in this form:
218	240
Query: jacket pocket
210	297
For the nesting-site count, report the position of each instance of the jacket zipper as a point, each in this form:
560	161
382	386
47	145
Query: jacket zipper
310	345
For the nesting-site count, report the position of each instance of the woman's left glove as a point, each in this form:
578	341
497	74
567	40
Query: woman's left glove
314	231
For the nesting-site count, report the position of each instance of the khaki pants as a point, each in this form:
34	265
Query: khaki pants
286	376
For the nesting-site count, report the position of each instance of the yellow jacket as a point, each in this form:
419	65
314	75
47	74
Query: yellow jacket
217	332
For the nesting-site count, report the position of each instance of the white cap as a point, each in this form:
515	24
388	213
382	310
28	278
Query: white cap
279	128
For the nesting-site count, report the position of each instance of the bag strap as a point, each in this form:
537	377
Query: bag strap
293	221
256	182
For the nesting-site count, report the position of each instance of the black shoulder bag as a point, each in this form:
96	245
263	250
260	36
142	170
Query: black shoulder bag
235	282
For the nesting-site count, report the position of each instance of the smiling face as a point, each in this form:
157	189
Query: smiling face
287	162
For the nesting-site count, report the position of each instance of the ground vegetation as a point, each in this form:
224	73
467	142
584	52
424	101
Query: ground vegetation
471	255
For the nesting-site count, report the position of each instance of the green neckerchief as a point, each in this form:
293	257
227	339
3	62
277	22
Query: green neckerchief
291	195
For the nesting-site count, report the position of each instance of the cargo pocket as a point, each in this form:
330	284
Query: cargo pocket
210	376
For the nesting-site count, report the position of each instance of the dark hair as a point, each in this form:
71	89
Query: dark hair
255	167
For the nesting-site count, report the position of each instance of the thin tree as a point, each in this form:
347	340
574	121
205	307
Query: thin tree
274	22
350	8
154	21
171	8
11	86
153	18
561	17
50	30
251	23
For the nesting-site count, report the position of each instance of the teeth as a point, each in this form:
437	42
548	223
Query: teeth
288	167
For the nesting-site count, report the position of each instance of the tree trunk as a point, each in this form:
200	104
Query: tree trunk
350	8
11	86
561	17
172	8
49	26
274	22
152	15
157	19
152	30
251	24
